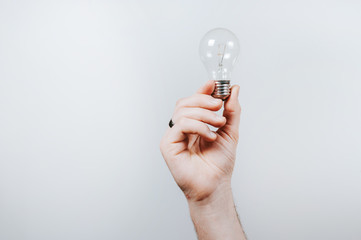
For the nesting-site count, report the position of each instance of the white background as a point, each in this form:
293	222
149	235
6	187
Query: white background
87	89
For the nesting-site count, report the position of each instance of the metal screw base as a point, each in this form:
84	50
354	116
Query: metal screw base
222	89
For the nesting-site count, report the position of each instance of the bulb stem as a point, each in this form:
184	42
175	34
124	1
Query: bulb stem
222	89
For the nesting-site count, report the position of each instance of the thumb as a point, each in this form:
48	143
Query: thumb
232	113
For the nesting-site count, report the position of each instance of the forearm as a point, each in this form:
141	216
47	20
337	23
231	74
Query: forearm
216	217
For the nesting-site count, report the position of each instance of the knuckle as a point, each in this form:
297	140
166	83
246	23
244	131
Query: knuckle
180	102
183	112
181	121
234	108
162	145
176	115
237	107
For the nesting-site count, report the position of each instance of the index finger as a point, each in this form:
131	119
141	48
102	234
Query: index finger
207	88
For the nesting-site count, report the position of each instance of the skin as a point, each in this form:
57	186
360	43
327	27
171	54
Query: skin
202	161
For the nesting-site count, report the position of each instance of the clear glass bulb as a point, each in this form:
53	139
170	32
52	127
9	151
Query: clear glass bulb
219	49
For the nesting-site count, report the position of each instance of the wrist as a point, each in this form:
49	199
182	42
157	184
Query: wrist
215	217
217	205
214	201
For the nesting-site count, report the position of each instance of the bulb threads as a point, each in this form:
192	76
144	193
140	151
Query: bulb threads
222	89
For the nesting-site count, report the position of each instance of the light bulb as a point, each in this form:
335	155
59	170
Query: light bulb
219	49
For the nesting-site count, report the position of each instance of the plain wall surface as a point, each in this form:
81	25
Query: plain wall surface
87	89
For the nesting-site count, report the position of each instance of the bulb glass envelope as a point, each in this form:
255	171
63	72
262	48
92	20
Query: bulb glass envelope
219	49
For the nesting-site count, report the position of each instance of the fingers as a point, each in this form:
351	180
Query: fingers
192	115
232	112
200	101
200	114
207	88
190	126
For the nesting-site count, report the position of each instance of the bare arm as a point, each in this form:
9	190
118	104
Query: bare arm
216	217
202	161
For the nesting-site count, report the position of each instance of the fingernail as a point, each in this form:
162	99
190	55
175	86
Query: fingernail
212	134
215	101
219	118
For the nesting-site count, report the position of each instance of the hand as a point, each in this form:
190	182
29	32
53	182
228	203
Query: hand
200	160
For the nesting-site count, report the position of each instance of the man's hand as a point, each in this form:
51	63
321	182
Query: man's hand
201	161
